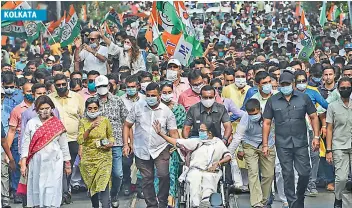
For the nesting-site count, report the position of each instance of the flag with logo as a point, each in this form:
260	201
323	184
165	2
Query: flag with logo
306	44
299	9
55	29
33	30
114	17
334	12
15	29
71	29
322	18
154	37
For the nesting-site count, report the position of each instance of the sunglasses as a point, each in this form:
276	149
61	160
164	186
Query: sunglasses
61	85
301	81
102	86
92	39
11	87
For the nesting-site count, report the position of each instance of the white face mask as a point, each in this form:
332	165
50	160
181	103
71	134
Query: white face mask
102	90
240	82
144	85
171	75
126	47
197	89
208	103
167	97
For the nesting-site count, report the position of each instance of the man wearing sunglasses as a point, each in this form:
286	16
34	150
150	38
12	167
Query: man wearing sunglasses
94	55
71	109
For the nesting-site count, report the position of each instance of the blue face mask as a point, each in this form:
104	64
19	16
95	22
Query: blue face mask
255	118
286	90
91	87
221	54
301	86
93	45
131	91
49	67
151	101
267	88
9	91
203	135
29	97
316	79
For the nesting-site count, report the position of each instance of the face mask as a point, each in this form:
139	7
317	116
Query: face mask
61	91
221	54
156	78
93	115
262	35
49	67
102	90
267	88
316	79
197	89
167	97
29	97
240	82
93	45
131	91
171	75
144	86
23	59
203	135
151	101
126	47
301	86
345	93
44	114
326	48
9	91
286	90
255	118
91	86
207	103
341	42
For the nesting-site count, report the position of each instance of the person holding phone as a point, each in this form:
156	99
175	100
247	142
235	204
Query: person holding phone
96	138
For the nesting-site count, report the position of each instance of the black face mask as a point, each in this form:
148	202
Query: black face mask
345	93
61	91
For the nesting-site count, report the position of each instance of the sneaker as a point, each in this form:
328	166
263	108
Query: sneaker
285	205
204	204
17	199
127	190
245	189
338	203
312	190
114	202
5	204
330	187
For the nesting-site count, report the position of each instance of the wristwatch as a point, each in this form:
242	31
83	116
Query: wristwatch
328	151
316	137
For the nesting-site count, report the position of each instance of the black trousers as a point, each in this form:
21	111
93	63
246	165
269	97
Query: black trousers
146	167
299	158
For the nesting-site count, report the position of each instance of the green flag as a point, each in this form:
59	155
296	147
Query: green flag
15	30
306	44
322	18
33	30
113	16
71	28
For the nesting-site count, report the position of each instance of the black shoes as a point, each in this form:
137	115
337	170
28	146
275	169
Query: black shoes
17	199
140	195
338	203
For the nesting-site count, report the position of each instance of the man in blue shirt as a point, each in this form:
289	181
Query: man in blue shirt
20	65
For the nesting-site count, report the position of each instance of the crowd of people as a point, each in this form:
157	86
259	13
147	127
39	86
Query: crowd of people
107	114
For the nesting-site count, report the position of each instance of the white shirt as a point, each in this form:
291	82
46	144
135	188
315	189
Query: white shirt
147	143
93	63
130	103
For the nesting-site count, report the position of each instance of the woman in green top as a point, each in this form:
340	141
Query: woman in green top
95	136
180	114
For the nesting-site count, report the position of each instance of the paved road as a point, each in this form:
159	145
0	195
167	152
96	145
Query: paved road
323	200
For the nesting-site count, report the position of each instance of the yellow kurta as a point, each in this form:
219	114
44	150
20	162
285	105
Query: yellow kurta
96	163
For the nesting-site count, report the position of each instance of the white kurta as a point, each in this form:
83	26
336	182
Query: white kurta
45	169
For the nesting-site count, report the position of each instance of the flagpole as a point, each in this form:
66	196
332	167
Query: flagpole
48	32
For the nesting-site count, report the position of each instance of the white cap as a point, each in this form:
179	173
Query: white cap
174	61
52	58
101	80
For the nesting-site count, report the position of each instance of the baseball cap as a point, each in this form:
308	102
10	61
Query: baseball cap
174	61
101	80
286	77
51	58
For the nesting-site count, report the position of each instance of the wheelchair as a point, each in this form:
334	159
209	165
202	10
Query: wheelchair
223	198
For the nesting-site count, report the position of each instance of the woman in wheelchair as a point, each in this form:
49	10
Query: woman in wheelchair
203	157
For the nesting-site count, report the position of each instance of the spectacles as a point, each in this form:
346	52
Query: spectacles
11	87
301	81
61	85
102	86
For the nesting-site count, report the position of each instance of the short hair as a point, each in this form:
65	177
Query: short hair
27	73
273	76
328	66
113	76
124	68
194	74
44	99
74	82
166	84
131	79
300	73
217	73
294	63
74	73
274	68
260	76
59	77
48	84
252	105
144	74
57	67
8	77
5	64
37	86
153	86
316	69
343	79
32	63
93	72
41	74
92	100
207	88
215	80
20	81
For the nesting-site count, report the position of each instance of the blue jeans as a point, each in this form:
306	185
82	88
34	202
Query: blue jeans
15	176
117	172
